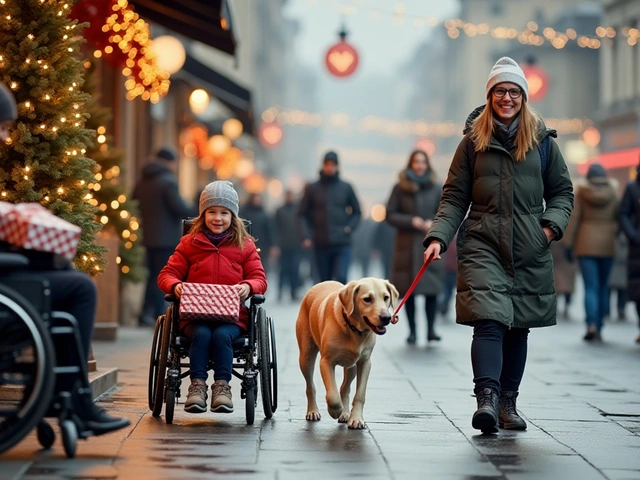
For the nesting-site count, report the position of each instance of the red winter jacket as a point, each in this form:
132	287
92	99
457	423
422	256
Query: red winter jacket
197	260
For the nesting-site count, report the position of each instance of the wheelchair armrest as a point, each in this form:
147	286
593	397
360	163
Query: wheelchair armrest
257	300
171	298
9	261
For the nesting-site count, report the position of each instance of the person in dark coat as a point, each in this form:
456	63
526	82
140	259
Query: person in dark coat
329	213
261	227
592	234
363	244
290	245
162	210
516	208
411	209
72	292
630	223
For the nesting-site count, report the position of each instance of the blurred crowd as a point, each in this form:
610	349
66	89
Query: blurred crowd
321	234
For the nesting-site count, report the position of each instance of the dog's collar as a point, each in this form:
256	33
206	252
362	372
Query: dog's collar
351	326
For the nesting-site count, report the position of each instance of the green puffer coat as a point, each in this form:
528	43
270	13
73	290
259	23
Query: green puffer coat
505	270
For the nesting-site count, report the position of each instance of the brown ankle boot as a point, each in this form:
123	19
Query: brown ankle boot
508	415
485	418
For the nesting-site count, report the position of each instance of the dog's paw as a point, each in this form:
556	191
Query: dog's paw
313	416
344	418
356	424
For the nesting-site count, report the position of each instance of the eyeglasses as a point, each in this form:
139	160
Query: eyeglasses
501	92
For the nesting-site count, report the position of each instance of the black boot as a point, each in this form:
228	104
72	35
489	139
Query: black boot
411	339
508	416
485	418
95	418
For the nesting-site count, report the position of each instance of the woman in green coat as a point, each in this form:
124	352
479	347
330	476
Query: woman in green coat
511	179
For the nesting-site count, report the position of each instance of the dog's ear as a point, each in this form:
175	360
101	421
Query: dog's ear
347	296
393	292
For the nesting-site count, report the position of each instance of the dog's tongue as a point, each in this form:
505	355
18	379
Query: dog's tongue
380	330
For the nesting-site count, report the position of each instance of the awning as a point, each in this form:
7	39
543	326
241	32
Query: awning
207	21
612	160
233	96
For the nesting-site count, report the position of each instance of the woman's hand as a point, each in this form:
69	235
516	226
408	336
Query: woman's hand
177	290
243	290
433	251
549	233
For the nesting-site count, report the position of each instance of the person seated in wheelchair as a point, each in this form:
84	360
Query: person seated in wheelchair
217	250
72	292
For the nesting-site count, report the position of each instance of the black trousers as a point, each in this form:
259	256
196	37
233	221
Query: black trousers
289	275
498	356
430	307
154	304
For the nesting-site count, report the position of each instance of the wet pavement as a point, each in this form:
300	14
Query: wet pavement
581	402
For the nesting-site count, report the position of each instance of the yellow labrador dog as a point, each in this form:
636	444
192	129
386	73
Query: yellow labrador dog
341	323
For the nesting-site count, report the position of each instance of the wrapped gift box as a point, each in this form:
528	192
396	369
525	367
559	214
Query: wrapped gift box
203	301
31	226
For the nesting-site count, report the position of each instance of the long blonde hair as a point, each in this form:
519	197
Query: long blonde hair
237	237
526	139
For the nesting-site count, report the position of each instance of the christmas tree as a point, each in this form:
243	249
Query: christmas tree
45	160
109	193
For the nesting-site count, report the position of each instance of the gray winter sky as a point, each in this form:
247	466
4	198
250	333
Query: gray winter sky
384	36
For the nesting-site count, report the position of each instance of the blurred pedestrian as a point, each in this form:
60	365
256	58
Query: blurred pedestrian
162	210
505	168
362	243
330	213
618	276
411	209
262	228
290	244
384	239
450	276
564	274
630	223
591	235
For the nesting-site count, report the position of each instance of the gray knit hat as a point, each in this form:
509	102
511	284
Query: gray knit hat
220	194
507	70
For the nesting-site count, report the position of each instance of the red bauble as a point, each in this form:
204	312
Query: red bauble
538	82
341	59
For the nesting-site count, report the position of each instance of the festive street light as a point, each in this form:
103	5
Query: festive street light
232	128
218	145
170	53
199	101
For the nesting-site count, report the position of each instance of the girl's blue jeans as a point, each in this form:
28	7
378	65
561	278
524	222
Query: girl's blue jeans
211	341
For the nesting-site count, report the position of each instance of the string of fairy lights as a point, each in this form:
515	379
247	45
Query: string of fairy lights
131	35
533	34
397	128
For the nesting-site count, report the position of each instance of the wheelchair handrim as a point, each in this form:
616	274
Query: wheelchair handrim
38	344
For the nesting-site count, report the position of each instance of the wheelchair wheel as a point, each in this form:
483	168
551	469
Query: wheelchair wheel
264	348
165	344
69	437
26	367
250	405
273	366
153	363
46	435
170	399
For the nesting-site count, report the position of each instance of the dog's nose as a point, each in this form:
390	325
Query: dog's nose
385	318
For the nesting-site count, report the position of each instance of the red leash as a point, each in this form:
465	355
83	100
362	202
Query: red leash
394	318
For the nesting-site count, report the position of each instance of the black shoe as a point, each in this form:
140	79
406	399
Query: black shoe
508	416
433	338
99	422
485	417
411	339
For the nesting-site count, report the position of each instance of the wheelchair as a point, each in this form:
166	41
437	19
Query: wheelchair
38	347
255	362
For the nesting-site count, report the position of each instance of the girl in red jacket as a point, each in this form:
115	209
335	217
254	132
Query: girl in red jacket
217	250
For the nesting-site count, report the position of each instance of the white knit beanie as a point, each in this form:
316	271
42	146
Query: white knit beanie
220	194
507	70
